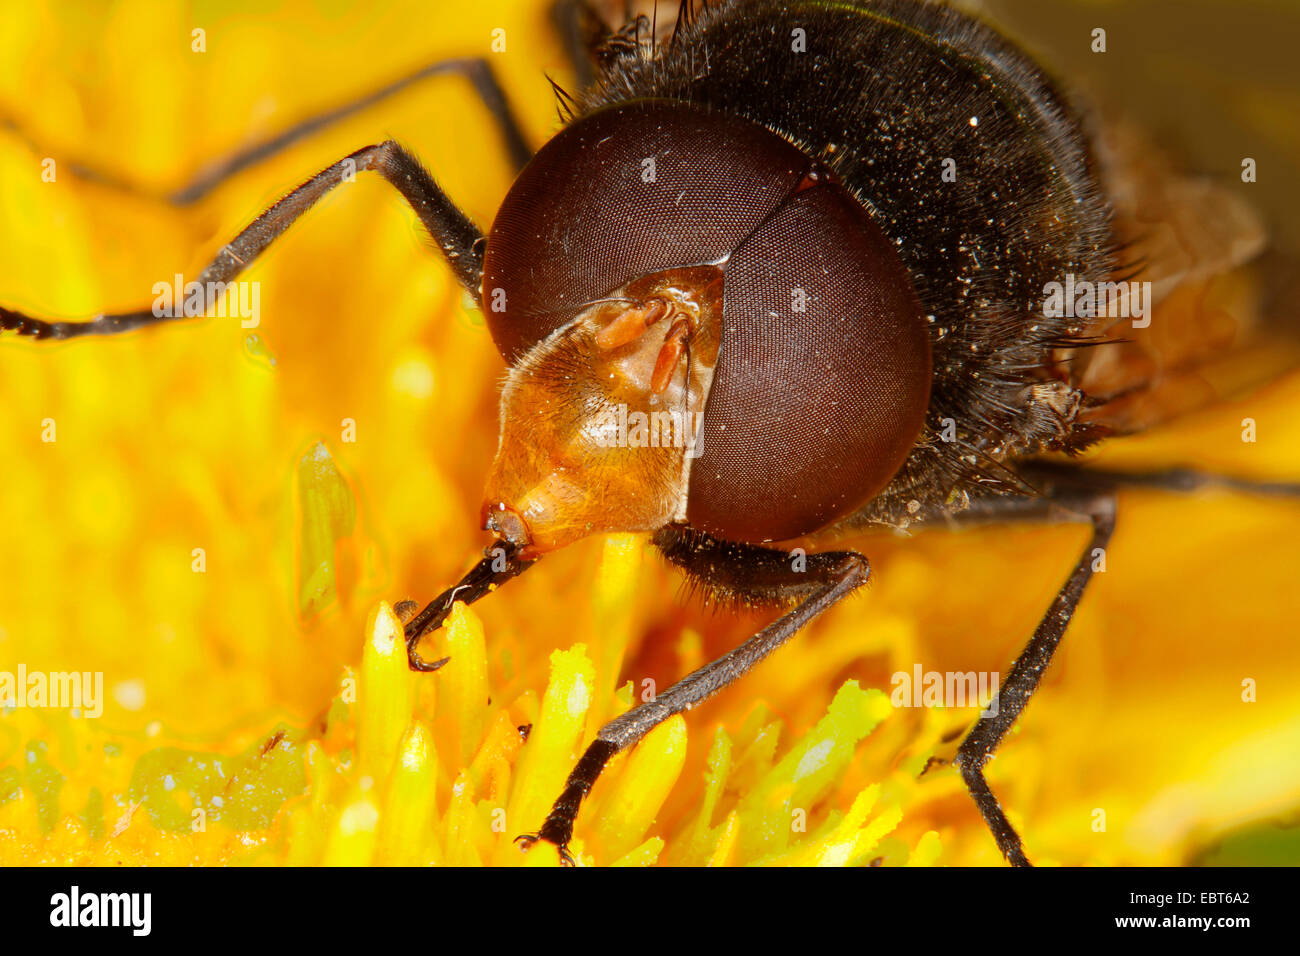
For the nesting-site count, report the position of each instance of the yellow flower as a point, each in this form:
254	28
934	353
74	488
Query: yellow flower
213	518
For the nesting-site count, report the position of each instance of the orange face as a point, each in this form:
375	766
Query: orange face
598	421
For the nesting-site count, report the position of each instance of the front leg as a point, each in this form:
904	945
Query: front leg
500	564
456	236
738	571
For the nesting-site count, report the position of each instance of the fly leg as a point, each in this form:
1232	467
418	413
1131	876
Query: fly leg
474	69
498	566
582	32
1064	493
990	730
1048	474
457	237
591	42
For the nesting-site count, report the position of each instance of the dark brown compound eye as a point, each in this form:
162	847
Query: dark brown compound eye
633	189
823	374
823	379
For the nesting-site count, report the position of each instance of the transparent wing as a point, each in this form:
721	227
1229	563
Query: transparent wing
1223	315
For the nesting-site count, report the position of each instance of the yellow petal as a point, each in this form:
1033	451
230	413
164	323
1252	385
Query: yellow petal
385	695
463	682
406	832
627	806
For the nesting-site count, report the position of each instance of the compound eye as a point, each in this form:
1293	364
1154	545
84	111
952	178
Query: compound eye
626	191
823	377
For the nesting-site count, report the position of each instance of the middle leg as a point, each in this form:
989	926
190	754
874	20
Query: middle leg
741	572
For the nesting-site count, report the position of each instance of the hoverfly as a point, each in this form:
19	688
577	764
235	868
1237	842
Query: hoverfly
818	239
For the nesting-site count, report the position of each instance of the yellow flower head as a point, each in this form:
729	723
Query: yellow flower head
217	520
